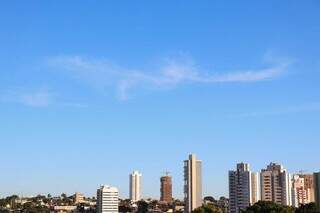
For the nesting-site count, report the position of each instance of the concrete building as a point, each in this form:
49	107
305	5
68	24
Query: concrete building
255	187
78	198
135	186
276	184
107	199
64	209
192	183
243	188
302	189
299	193
166	188
316	182
309	186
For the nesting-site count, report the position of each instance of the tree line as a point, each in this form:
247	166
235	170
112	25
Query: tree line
263	207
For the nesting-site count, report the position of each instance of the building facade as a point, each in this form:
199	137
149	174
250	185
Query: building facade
316	182
135	186
78	198
107	199
255	187
276	184
309	186
243	188
192	183
166	189
299	192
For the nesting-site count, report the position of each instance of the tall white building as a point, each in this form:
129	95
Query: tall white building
243	188
276	184
192	183
255	187
107	199
135	186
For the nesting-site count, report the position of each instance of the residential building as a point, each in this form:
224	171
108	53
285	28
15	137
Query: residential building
302	189
299	193
276	184
166	188
255	187
78	198
309	186
64	209
135	186
243	188
316	182
192	183
107	199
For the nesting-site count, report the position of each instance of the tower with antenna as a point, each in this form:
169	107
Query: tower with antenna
166	188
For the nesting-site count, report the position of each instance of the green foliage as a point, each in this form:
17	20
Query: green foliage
209	208
268	207
142	206
31	207
209	198
8	201
308	208
271	207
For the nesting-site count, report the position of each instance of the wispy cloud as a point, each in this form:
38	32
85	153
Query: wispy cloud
38	98
102	74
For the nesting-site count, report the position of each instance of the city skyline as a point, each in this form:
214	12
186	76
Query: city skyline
278	189
255	176
90	91
273	184
245	187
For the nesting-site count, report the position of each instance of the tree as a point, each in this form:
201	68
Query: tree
142	206
209	198
209	208
63	196
125	205
31	207
268	207
308	208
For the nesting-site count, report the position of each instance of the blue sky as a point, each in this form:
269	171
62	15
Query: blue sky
91	90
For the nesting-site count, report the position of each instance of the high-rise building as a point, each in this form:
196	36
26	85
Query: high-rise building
135	186
243	188
316	182
302	189
299	192
166	188
192	183
276	184
309	186
107	199
255	187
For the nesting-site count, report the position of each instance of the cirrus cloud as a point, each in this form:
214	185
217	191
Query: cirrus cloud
103	74
35	98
